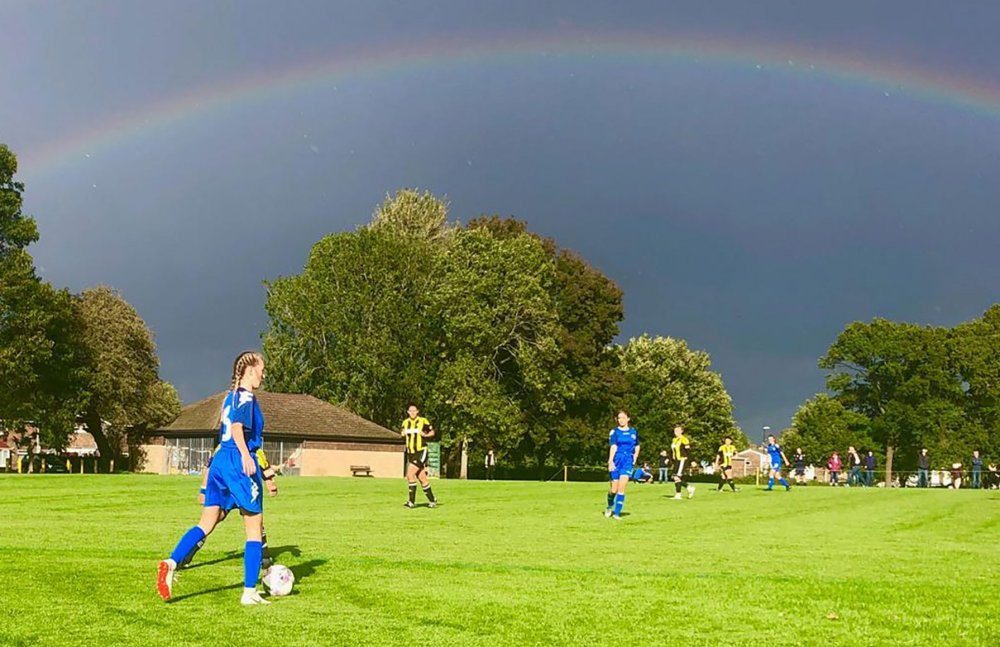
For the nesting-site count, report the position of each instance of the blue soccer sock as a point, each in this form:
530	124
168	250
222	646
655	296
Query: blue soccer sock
783	481
251	563
770	483
619	502
187	544
611	499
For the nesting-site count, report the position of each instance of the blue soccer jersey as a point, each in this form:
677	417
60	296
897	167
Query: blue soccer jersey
228	486
241	406
626	440
774	452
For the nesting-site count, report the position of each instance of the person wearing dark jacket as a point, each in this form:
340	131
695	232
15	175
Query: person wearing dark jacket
923	468
799	459
870	469
977	470
664	465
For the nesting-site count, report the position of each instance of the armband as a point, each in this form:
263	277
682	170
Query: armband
202	491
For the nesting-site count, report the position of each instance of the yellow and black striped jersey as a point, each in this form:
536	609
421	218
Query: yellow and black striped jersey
725	455
680	446
411	432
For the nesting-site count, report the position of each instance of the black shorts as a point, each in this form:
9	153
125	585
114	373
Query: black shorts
727	468
418	458
800	471
680	464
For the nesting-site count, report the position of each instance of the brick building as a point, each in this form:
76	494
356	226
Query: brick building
302	434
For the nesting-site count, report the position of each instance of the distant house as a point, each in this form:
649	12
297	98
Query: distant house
302	434
748	462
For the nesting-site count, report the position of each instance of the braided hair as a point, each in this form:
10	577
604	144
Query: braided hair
243	361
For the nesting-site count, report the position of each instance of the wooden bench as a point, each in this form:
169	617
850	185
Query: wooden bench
361	470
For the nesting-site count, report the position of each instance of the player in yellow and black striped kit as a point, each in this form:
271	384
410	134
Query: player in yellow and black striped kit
680	446
724	458
415	430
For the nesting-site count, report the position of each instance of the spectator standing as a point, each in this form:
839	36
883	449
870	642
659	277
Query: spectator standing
977	470
854	462
664	465
923	468
491	464
870	469
800	466
834	465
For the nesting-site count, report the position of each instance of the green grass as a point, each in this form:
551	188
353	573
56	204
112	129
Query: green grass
504	563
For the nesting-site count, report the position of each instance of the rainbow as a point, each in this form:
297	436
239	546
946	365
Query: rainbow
976	96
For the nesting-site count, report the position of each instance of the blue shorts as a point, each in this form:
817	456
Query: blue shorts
776	467
228	487
625	468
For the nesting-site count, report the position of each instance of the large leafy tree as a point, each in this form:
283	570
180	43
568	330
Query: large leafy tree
122	389
355	327
902	378
822	425
670	384
38	356
588	309
502	337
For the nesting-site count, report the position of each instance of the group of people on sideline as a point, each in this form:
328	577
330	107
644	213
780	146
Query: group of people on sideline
855	469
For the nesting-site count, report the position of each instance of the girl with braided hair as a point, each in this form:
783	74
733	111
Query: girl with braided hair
234	479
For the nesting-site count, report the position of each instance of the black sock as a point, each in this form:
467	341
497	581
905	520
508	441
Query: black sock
413	492
677	486
265	554
190	556
732	485
429	493
721	483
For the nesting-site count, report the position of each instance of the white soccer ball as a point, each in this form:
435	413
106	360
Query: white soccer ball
278	580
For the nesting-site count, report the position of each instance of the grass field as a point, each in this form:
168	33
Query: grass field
504	563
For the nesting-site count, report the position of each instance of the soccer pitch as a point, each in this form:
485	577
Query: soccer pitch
511	563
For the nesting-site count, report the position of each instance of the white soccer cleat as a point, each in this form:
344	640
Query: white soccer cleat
690	491
677	497
616	518
251	597
607	513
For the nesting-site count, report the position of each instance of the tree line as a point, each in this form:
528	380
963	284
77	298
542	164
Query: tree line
68	359
898	387
505	339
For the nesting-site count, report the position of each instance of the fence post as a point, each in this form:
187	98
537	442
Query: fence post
565	473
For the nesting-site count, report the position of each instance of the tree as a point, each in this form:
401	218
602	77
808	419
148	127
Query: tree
588	308
122	390
974	348
501	337
17	231
902	378
355	327
670	384
822	425
38	356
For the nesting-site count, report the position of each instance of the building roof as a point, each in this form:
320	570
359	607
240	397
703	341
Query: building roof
290	415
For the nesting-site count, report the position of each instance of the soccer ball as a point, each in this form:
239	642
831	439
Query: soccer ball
278	580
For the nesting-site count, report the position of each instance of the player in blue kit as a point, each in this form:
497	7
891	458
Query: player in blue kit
777	460
234	479
622	455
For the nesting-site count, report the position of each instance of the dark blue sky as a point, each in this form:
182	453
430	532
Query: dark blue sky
752	212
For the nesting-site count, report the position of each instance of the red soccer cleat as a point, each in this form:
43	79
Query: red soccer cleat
165	579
